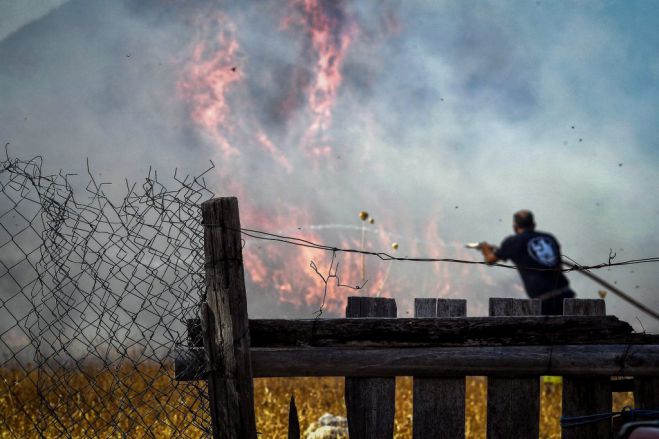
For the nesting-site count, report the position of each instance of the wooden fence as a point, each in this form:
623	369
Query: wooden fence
513	347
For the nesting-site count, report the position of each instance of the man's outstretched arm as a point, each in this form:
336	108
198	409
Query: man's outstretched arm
488	253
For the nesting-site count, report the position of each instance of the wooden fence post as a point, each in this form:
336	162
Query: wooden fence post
513	404
439	403
370	402
586	396
224	323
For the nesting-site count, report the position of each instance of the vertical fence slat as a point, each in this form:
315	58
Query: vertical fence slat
513	404
439	403
646	393
370	402
586	396
425	307
224	323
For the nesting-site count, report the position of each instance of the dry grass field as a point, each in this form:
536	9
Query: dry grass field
144	401
316	396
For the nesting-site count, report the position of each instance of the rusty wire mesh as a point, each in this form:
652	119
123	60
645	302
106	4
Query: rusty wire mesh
94	294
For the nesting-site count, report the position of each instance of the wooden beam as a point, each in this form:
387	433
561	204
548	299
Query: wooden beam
584	395
370	402
582	360
224	323
452	331
508	397
439	402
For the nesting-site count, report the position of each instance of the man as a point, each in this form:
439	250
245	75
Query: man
538	257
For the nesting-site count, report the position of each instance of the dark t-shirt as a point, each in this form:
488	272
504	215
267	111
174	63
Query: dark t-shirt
531	250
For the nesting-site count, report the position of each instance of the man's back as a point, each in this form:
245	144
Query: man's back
538	256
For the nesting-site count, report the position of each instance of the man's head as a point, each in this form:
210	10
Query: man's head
522	221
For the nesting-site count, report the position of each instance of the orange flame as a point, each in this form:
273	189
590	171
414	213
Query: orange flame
215	86
212	72
330	37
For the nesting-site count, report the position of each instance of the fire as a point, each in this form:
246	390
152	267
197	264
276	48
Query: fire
213	70
218	83
282	268
212	83
330	38
268	146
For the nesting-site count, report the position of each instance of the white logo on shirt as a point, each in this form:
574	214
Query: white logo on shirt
542	250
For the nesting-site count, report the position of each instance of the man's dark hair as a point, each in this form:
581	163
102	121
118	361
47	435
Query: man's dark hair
524	219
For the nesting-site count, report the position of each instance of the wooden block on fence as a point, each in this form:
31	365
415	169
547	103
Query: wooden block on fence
584	307
370	402
224	323
513	404
439	403
586	396
506	307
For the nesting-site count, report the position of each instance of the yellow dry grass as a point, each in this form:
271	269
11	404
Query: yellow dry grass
142	400
315	396
121	401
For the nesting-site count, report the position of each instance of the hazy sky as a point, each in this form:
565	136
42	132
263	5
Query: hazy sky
450	115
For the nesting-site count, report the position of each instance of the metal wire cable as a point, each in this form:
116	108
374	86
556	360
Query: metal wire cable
267	236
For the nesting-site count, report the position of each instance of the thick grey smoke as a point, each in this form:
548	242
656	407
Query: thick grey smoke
449	117
16	14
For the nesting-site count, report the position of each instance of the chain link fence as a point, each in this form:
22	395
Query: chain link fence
95	290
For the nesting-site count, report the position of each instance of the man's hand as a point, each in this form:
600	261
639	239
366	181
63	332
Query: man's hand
488	252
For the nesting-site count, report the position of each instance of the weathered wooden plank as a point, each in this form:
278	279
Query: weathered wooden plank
451	307
584	307
582	360
453	331
425	307
439	403
508	307
224	323
513	404
646	393
582	395
370	402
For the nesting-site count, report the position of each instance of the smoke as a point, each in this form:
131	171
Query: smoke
15	14
440	120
